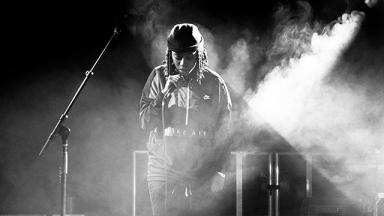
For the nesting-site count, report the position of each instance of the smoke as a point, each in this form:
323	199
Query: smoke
152	26
26	119
108	134
310	95
313	115
282	94
343	125
338	120
104	132
335	123
239	65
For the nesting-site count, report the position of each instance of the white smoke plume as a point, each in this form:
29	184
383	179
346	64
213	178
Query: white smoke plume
331	122
281	96
294	98
239	65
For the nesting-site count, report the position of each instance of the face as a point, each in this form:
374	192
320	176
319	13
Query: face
184	62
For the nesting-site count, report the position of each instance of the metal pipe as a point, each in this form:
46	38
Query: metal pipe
239	183
273	186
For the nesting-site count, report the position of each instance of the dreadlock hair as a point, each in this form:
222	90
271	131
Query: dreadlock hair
202	63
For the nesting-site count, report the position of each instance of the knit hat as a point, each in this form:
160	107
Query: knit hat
185	37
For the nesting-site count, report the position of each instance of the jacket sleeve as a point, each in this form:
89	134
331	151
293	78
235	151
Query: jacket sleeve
225	104
222	141
150	102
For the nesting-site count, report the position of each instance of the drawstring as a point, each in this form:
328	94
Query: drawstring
187	108
188	190
164	151
188	194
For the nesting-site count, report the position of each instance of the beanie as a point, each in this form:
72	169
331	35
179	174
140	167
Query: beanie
185	37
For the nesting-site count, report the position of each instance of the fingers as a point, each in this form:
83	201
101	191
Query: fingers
171	80
175	79
218	182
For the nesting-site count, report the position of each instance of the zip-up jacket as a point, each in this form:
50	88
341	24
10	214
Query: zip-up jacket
182	125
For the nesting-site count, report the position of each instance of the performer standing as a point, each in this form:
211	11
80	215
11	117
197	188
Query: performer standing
183	106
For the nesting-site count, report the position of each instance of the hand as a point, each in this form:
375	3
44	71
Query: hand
217	182
175	80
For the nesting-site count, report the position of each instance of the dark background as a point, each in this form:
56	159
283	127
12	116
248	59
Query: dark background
44	36
48	45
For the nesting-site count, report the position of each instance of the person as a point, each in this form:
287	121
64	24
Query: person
185	108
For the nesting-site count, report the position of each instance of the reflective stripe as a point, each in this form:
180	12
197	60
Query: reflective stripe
177	132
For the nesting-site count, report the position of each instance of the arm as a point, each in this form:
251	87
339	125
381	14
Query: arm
221	138
155	88
150	102
225	104
223	132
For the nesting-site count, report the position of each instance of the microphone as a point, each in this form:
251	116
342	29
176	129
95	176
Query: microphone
124	22
172	86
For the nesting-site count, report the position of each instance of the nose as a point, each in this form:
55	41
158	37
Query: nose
182	61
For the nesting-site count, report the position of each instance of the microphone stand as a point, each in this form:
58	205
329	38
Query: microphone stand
64	131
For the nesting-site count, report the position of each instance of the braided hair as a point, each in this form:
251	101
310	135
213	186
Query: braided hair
202	63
